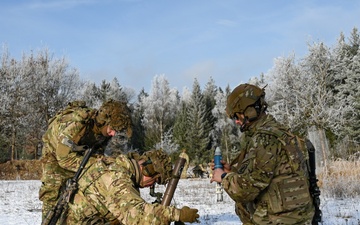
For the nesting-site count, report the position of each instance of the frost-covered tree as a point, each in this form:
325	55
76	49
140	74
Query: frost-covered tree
89	94
316	98
319	94
300	94
346	69
168	144
95	95
160	109
285	77
55	83
35	87
225	132
260	81
209	93
320	113
301	97
16	81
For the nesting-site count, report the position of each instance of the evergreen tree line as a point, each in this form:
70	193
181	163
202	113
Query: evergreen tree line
317	96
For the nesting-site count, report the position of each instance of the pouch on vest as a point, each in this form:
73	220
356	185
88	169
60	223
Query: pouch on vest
287	193
82	205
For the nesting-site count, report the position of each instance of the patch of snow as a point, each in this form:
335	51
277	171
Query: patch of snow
19	204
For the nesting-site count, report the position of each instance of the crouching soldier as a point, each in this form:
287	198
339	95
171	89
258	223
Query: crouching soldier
108	192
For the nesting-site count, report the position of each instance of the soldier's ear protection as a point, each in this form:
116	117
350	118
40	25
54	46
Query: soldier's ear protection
250	113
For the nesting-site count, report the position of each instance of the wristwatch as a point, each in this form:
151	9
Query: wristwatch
223	175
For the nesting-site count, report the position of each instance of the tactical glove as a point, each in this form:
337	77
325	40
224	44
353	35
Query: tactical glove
188	215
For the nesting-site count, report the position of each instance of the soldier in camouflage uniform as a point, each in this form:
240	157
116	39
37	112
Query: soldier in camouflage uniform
268	180
70	132
109	192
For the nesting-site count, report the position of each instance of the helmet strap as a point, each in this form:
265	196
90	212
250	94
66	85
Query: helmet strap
243	125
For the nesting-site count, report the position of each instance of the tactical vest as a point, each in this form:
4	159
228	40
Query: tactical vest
287	192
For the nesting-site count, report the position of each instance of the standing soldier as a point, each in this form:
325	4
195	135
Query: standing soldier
269	178
70	133
108	192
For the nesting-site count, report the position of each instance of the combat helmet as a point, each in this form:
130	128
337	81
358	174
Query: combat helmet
115	114
246	99
157	162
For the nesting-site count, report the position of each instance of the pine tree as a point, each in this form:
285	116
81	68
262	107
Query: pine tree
181	126
138	135
209	94
199	127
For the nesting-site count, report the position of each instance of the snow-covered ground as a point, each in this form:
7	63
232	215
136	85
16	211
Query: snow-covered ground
19	204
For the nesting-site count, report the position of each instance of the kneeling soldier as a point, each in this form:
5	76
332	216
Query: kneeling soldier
109	192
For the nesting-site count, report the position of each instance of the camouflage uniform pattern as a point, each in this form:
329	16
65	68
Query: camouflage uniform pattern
269	178
109	192
186	166
67	132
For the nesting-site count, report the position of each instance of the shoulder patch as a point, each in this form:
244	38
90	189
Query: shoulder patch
243	167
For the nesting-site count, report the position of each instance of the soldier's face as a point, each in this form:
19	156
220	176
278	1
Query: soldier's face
107	131
111	132
239	119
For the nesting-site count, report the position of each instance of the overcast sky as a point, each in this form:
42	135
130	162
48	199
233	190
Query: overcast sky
134	40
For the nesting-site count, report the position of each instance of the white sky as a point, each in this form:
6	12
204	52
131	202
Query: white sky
134	40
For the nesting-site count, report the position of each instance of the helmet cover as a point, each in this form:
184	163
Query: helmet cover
115	114
157	162
242	97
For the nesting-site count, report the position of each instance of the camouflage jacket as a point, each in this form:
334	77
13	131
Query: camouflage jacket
269	178
62	152
108	192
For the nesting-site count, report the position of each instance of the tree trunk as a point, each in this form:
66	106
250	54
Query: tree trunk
13	148
318	138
